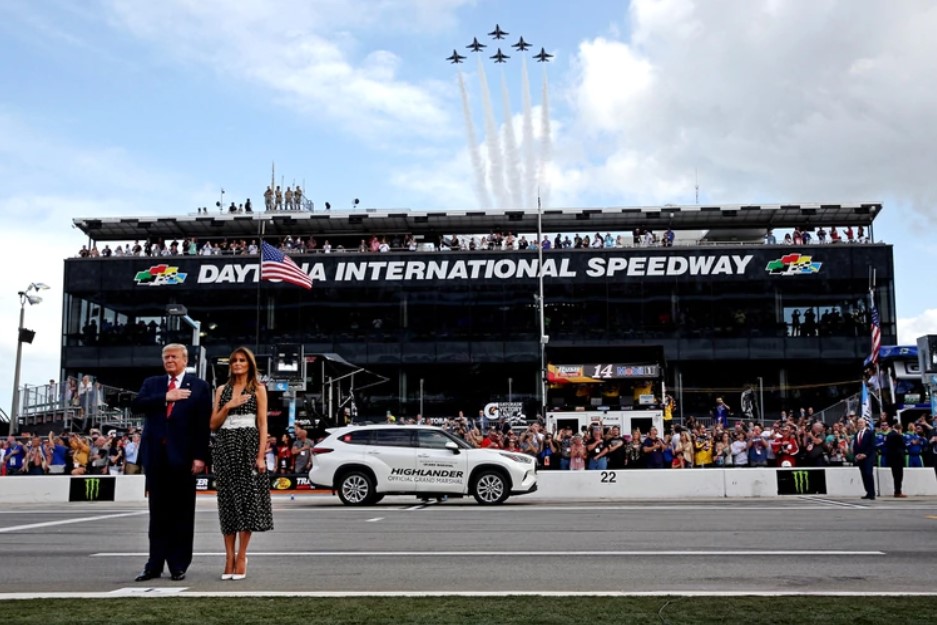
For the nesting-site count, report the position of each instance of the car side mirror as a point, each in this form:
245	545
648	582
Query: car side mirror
451	446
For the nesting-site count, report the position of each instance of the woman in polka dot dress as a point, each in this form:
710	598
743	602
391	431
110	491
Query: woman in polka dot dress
240	420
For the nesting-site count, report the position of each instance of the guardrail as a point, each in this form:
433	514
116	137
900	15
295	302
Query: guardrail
554	486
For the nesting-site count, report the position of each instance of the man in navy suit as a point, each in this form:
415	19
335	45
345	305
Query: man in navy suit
174	449
864	450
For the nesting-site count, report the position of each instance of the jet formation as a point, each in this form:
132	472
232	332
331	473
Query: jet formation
499	56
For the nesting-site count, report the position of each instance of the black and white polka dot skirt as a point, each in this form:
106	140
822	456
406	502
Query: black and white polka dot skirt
243	494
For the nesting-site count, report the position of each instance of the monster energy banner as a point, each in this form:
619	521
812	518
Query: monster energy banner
91	489
801	481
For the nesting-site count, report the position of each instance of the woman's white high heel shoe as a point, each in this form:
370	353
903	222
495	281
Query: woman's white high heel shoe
240	576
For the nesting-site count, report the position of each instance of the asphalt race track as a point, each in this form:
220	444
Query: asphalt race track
791	545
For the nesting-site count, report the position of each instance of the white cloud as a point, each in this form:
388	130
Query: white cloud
307	55
794	101
45	184
909	329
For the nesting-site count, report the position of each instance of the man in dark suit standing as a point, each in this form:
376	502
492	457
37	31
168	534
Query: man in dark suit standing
174	450
864	450
895	452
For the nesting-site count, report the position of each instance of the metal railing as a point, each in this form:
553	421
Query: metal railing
77	406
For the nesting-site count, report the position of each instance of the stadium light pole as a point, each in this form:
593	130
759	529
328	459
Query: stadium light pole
23	335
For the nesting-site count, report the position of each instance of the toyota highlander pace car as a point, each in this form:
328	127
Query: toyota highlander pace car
362	464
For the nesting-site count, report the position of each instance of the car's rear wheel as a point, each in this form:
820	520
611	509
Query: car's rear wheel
490	488
356	488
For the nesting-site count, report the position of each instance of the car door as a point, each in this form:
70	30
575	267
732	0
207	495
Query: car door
439	470
392	457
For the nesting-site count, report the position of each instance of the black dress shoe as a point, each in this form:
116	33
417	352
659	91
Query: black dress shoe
146	575
177	576
869	498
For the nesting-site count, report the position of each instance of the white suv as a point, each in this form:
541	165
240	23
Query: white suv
362	464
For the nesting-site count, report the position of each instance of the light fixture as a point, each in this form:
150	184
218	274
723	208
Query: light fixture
23	336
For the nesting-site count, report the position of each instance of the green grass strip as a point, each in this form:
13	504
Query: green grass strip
461	610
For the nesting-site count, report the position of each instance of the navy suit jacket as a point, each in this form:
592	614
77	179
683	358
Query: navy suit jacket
866	445
185	433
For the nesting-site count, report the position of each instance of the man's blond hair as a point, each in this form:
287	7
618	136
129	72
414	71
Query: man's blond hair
176	347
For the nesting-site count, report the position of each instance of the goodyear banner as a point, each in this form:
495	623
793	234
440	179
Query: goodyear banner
91	488
801	481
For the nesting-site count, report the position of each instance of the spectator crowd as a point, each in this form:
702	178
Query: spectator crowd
495	241
787	442
790	441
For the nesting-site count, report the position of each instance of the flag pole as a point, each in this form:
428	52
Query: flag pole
878	370
260	258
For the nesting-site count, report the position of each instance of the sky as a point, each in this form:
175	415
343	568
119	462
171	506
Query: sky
121	107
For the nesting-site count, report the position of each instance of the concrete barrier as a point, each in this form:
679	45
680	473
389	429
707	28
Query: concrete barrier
130	488
33	488
567	485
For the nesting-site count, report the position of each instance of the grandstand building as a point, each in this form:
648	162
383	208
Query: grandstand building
728	304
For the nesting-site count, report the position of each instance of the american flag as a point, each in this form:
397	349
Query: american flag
876	334
277	266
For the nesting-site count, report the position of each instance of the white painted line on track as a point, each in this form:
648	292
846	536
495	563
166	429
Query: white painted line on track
136	590
513	554
515	508
833	502
482	593
63	512
86	519
375	519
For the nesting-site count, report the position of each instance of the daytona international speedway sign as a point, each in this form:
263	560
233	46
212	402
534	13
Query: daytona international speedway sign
516	267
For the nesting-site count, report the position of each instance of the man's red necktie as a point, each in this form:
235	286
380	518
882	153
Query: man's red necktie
169	405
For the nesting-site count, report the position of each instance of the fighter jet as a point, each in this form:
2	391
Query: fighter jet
543	57
475	45
521	45
455	58
497	33
499	56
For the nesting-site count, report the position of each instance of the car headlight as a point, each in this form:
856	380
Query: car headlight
516	457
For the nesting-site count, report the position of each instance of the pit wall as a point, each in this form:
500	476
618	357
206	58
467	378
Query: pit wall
838	482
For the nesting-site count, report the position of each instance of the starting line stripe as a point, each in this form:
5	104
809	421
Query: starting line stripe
511	554
102	517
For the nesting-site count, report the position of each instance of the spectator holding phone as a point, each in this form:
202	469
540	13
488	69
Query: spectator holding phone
577	454
597	450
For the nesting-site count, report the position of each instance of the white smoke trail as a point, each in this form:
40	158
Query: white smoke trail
495	162
545	141
478	169
512	171
530	153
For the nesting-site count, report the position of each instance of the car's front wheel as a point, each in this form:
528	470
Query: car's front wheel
490	488
356	488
